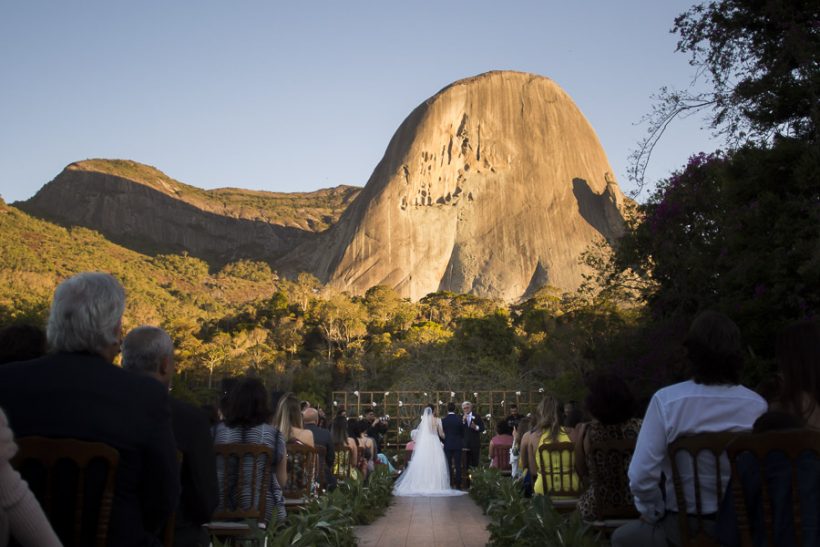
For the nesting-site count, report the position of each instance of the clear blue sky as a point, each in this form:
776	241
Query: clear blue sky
300	95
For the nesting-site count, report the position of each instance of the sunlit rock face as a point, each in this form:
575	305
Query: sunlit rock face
494	186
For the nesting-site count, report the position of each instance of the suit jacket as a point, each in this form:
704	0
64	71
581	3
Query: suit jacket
472	438
321	437
453	432
200	493
80	395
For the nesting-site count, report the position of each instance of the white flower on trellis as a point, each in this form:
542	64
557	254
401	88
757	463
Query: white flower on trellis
540	390
373	404
401	430
489	416
396	458
484	432
425	394
361	417
452	394
356	393
401	404
502	403
475	394
387	416
335	403
440	402
386	393
518	393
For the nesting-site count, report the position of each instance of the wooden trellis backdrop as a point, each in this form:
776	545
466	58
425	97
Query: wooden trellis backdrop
404	408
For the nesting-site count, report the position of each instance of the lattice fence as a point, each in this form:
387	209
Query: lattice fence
404	408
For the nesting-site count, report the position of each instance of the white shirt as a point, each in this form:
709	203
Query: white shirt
682	409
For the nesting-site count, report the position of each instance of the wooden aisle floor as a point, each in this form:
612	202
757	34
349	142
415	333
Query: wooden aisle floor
434	521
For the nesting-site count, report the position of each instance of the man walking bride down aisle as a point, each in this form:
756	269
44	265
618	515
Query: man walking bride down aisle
427	472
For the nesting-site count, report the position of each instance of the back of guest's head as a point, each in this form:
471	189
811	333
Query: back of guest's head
523	426
610	401
288	414
451	407
338	430
86	314
715	349
359	427
573	417
502	428
21	343
247	404
310	416
144	348
549	414
798	356
775	420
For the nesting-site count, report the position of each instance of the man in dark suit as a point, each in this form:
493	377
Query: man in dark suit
453	439
321	437
77	392
473	428
150	351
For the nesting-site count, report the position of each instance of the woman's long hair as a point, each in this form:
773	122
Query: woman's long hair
338	431
798	355
548	417
288	414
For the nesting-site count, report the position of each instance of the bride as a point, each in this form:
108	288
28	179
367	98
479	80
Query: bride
426	473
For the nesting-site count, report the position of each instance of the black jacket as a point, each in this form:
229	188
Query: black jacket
78	395
453	432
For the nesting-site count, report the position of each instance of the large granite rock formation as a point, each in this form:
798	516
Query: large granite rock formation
494	186
141	208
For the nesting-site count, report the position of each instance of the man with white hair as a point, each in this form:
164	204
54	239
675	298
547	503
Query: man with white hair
76	392
473	428
150	351
321	437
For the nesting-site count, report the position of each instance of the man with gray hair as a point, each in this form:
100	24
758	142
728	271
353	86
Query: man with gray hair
149	351
76	392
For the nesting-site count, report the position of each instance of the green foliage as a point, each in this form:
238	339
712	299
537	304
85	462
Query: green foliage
252	270
516	520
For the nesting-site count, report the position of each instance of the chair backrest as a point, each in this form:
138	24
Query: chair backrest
74	482
320	475
501	454
608	464
301	471
343	462
244	473
704	455
775	478
558	476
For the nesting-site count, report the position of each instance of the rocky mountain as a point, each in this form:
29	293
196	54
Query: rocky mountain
493	186
140	207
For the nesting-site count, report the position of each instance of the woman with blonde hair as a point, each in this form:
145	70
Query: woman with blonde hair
288	419
549	431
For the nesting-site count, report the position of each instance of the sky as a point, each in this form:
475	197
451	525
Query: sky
294	96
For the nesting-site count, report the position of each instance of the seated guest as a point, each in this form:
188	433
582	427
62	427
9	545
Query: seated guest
365	448
549	431
246	421
321	437
798	356
502	437
529	453
288	419
21	343
21	517
573	417
340	438
515	451
150	351
611	404
712	401
76	392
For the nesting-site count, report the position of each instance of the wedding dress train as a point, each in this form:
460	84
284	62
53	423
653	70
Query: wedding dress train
426	473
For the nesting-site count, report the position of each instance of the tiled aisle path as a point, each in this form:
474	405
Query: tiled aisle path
435	521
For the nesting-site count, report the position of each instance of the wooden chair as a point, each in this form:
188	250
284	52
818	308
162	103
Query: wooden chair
321	476
501	454
301	475
561	482
776	486
608	463
343	462
74	482
704	452
244	472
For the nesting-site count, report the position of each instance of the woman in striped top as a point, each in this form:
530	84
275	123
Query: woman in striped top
246	421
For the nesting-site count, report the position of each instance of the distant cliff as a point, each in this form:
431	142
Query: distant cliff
494	186
140	207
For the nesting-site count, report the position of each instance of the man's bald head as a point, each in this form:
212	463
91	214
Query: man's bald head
310	415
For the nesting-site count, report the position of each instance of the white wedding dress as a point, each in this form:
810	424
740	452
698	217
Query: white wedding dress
426	473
